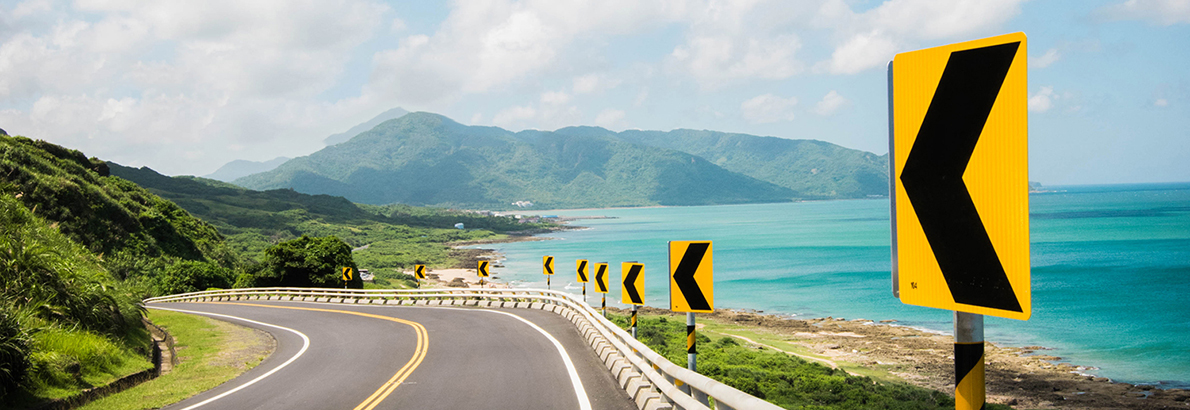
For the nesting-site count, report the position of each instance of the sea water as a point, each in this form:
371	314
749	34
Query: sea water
1110	276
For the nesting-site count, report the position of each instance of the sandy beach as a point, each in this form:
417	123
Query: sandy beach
460	278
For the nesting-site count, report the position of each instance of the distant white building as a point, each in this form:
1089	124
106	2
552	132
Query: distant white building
459	225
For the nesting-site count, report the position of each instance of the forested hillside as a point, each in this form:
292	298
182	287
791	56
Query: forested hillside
427	159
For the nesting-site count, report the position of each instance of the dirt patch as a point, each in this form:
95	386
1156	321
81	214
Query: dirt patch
243	347
1025	378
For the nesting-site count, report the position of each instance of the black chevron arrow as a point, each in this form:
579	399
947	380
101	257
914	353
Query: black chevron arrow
549	265
483	269
684	276
933	177
601	277
582	271
630	284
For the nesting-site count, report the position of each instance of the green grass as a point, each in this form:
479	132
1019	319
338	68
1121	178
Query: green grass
780	378
66	361
199	342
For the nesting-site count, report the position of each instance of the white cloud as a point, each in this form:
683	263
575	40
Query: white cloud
610	118
1043	100
476	118
484	46
768	108
1161	102
830	103
641	97
555	98
593	83
511	115
861	52
1160	12
177	80
1045	60
870	39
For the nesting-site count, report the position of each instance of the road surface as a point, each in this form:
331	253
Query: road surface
332	356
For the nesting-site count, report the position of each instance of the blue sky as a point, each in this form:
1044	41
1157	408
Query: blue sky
184	87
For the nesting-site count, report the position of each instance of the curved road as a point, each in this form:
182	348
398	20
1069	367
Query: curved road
365	357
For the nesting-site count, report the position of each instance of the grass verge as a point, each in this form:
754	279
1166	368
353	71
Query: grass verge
203	345
781	378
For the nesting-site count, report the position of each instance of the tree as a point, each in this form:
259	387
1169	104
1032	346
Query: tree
191	276
308	262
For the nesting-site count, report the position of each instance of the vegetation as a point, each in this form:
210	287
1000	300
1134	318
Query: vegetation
782	379
65	323
388	238
200	341
308	262
427	159
813	169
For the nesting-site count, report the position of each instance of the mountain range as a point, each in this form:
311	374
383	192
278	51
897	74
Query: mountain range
428	159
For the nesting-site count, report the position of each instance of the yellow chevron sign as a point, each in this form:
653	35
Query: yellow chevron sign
483	269
691	277
632	281
959	161
582	269
419	271
346	274
547	265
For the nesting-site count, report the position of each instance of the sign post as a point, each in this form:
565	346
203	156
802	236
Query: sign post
419	273
601	284
958	145
547	266
691	289
632	288
581	269
346	276
483	271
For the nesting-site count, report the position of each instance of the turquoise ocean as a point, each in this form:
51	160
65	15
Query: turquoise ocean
1110	269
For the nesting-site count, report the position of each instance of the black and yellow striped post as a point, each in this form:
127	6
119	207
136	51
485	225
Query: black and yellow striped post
969	386
634	308
691	353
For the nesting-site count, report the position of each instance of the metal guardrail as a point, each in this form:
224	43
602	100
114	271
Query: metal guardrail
665	376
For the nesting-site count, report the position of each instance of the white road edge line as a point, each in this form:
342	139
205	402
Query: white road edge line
305	345
584	402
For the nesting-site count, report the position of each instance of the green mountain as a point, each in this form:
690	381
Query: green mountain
427	159
240	168
813	169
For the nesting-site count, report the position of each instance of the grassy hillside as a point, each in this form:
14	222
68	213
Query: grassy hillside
111	216
427	159
813	169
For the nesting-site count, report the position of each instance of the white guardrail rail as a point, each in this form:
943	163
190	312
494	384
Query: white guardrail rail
653	381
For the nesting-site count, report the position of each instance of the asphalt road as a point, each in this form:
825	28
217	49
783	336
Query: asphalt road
399	357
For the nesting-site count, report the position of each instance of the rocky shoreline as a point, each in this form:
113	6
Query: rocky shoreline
1023	377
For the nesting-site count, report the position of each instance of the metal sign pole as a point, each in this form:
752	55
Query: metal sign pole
547	282
969	387
603	305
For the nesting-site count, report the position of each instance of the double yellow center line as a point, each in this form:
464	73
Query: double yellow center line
419	354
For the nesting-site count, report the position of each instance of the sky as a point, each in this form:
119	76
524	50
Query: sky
185	87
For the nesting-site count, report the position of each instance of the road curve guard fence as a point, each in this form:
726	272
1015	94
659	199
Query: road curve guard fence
652	381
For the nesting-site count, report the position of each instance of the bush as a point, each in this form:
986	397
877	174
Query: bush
191	276
308	262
